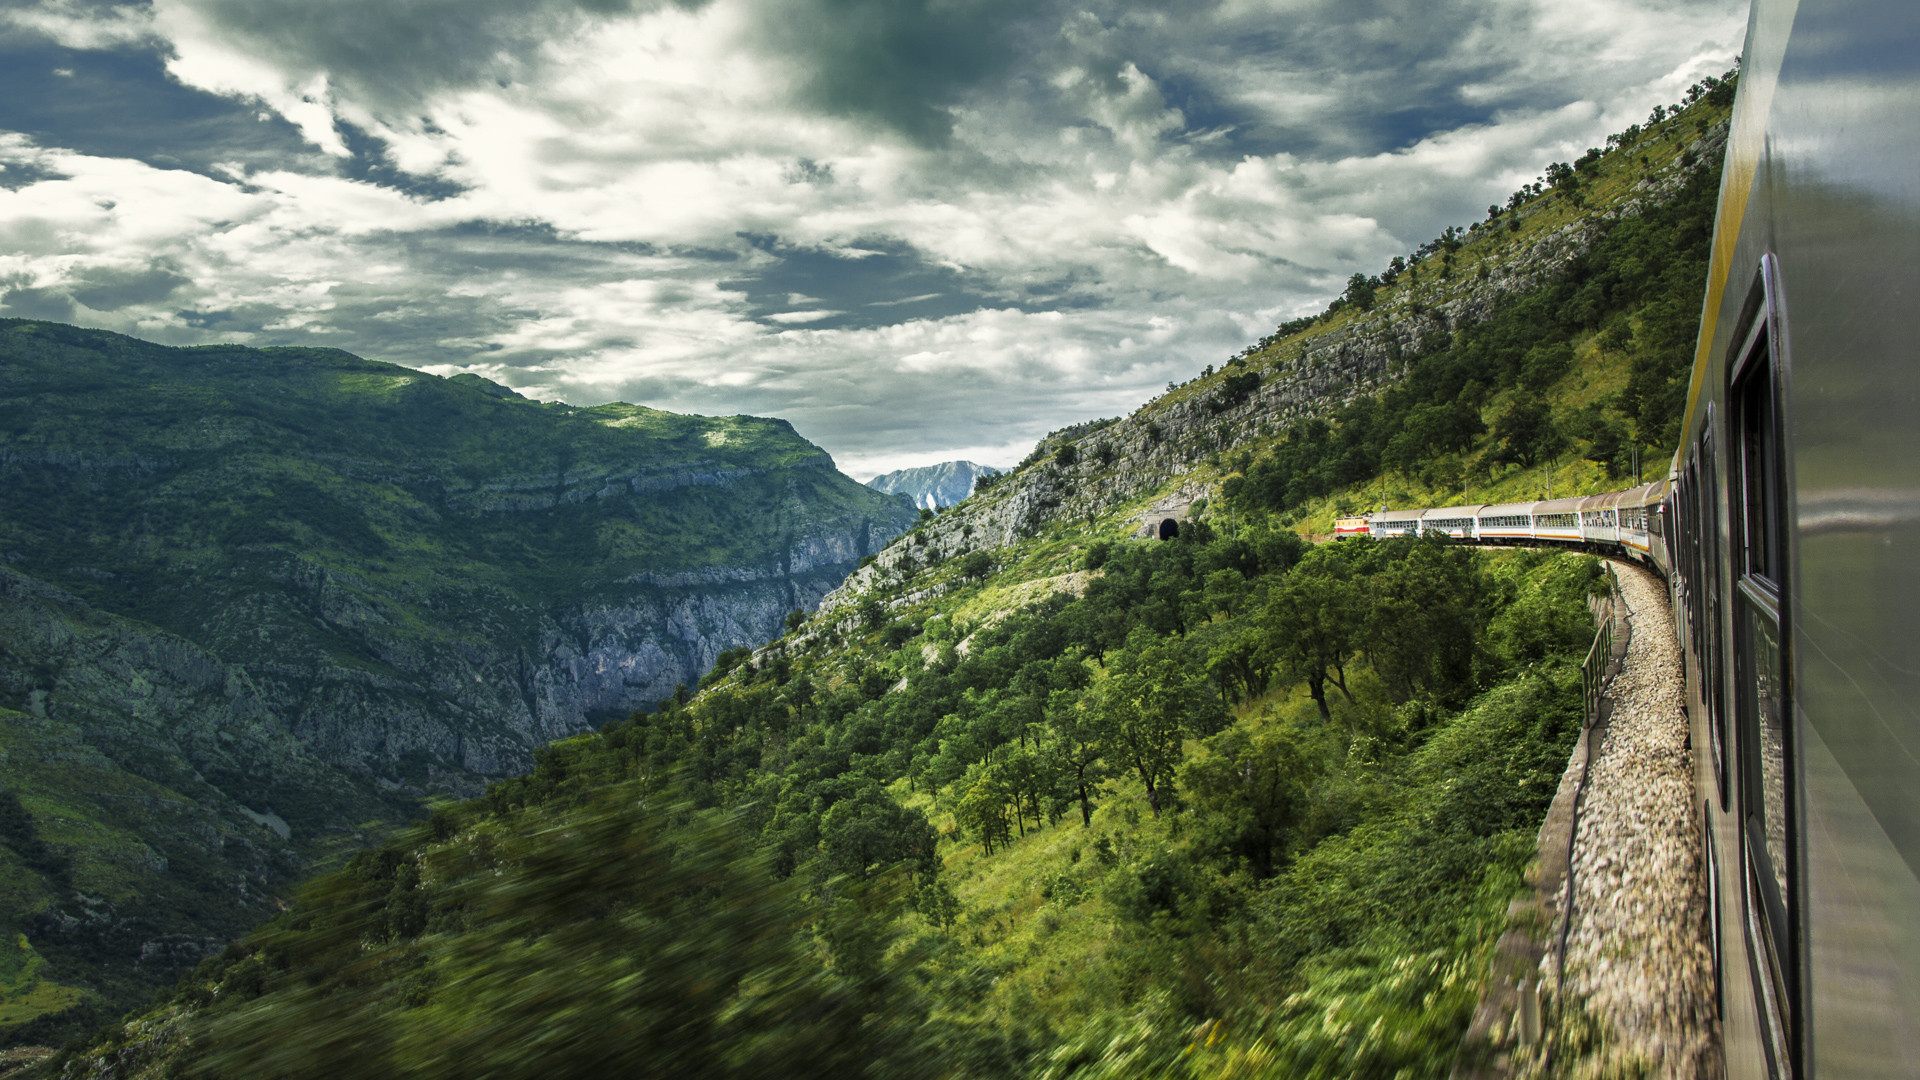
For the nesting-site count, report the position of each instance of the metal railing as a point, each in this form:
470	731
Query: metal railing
1593	671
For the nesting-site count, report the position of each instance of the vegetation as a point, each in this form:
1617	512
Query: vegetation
1504	392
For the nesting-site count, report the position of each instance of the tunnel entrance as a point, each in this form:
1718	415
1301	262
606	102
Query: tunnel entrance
1169	529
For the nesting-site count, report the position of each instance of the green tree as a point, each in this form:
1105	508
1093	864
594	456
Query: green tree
1078	749
1312	624
1421	620
1152	697
1526	432
1250	793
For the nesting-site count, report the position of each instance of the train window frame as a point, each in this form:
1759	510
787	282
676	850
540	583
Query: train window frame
1711	609
1767	751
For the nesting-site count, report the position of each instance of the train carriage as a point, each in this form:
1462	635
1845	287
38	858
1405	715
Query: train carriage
1347	528
1396	523
1557	519
1637	512
1457	522
1600	518
1504	521
1799	582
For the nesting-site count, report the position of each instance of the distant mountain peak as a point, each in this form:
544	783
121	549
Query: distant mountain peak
933	487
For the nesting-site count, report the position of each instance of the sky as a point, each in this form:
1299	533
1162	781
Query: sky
920	230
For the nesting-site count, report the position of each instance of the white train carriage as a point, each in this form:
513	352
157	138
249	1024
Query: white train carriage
1600	518
1558	519
1457	522
1396	523
1638	511
1504	521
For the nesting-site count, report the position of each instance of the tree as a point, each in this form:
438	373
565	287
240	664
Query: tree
1078	749
1526	432
1238	657
983	805
1152	697
1312	624
977	565
1360	290
867	832
1421	620
1250	793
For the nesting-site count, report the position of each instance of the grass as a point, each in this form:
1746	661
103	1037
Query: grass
24	994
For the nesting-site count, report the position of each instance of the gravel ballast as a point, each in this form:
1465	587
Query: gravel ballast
1638	975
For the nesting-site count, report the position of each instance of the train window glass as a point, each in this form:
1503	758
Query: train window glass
1766	750
1759	463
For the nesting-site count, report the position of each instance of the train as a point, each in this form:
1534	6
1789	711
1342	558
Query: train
1787	530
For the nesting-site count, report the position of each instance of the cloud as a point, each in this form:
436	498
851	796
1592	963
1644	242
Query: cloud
910	226
76	24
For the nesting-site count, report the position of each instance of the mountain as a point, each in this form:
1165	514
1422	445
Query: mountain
934	487
251	599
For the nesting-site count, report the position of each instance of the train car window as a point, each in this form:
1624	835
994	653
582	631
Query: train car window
1766	743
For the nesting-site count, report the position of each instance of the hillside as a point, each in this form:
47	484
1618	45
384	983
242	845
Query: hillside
1029	796
253	600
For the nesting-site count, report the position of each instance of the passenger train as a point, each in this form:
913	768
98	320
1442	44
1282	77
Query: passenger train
1788	531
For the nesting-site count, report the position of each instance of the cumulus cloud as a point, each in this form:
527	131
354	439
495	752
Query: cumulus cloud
910	226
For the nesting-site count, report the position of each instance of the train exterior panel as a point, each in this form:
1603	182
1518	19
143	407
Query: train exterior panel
1347	528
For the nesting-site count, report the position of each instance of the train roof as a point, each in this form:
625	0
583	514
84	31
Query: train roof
1399	515
1450	512
1507	509
1559	506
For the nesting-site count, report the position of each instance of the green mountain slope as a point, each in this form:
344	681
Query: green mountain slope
291	591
